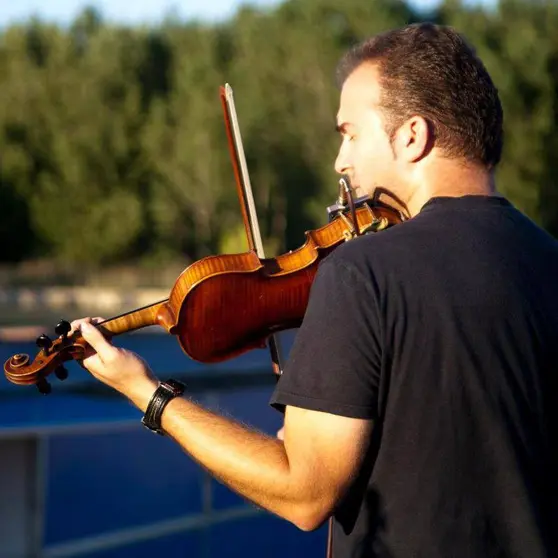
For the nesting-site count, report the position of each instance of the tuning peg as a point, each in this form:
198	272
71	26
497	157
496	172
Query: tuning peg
44	342
61	373
44	387
63	328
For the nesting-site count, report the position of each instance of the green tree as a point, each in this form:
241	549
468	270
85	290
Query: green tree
112	139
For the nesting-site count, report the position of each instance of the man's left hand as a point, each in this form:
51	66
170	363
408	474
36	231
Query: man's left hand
118	368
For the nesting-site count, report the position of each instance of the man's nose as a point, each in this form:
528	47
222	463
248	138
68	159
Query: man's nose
342	164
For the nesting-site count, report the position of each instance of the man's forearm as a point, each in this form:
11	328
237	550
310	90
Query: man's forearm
252	464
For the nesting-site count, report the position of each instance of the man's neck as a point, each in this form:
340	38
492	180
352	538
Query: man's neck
451	180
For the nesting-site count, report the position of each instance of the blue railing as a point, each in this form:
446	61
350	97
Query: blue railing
96	484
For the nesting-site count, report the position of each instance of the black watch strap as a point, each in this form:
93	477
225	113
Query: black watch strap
166	391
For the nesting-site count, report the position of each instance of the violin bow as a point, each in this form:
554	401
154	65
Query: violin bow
248	208
247	204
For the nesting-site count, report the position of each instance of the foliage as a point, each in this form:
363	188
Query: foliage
113	146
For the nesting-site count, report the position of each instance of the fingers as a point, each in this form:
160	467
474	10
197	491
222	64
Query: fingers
76	324
96	339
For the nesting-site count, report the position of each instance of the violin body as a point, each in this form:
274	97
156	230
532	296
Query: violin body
230	304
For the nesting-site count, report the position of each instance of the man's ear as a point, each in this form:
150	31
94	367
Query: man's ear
414	139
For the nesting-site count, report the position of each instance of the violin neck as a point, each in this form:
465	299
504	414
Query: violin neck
135	319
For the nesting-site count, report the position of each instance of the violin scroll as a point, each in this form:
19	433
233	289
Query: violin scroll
20	369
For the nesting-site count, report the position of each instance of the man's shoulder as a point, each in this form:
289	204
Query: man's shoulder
369	248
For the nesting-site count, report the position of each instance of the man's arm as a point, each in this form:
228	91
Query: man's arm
333	373
300	479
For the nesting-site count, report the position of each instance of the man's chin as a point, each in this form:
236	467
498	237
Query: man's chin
358	192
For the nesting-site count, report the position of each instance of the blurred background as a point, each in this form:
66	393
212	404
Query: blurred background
115	175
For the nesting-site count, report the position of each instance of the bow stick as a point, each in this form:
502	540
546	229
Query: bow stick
248	208
247	205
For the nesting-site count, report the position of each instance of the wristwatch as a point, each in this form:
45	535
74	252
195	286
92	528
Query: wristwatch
166	391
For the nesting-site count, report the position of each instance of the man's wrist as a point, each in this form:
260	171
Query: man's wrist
141	392
166	391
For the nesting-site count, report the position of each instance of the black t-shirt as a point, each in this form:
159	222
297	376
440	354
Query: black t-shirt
444	331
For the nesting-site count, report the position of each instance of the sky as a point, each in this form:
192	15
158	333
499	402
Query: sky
133	11
126	11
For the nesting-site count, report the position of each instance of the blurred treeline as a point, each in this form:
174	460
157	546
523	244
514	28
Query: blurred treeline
113	147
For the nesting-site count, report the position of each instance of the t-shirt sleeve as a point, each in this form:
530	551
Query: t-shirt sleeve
335	362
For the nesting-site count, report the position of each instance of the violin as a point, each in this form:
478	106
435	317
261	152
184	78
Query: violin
223	305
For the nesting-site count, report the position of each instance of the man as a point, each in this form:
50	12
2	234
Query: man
419	393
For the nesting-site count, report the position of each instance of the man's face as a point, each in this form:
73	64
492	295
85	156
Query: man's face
366	154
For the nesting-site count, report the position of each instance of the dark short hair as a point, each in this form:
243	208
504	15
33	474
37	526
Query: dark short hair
432	71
